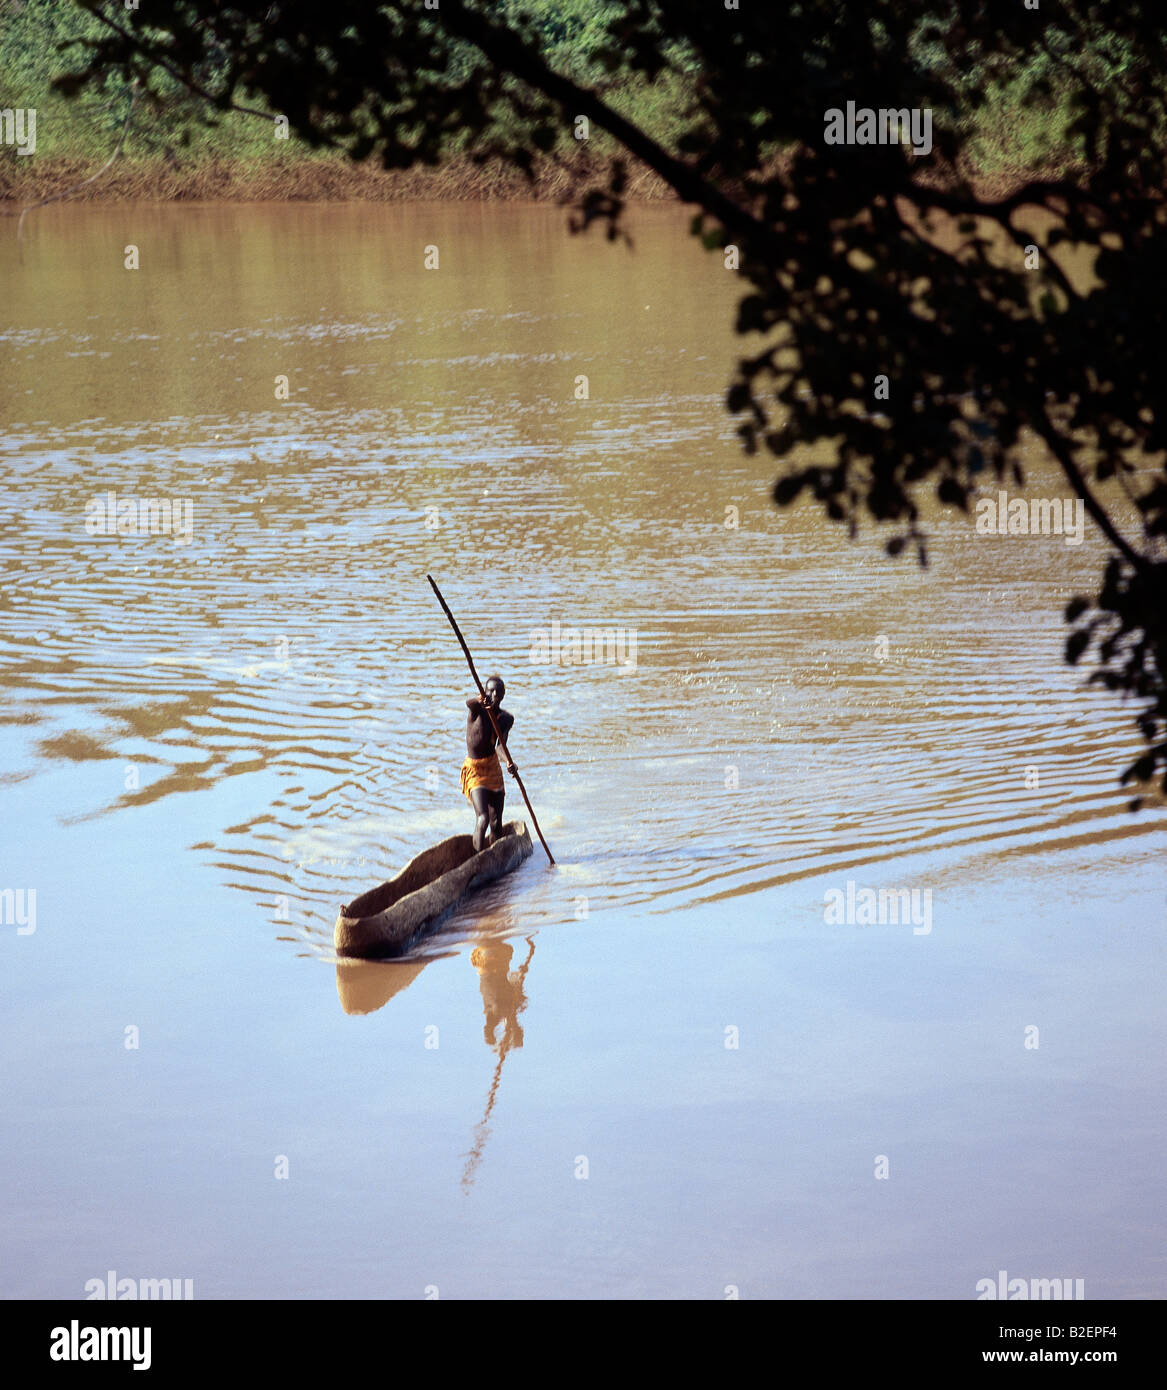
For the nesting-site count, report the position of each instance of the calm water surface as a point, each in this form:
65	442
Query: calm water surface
208	746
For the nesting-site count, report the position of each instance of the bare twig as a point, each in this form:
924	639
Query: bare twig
179	76
1063	453
68	192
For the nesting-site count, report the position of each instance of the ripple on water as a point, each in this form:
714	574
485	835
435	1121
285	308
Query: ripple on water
799	707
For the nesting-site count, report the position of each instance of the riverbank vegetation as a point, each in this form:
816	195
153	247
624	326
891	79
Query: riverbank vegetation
170	150
1019	125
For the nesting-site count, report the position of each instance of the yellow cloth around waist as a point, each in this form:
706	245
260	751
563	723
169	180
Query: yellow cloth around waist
482	772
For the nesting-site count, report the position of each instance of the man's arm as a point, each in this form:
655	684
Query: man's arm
506	723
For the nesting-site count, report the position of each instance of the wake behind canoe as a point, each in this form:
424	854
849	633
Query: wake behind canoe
383	921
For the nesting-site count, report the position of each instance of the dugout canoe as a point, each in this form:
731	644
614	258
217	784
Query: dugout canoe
383	921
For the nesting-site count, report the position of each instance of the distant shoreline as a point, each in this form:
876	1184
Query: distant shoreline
311	179
333	178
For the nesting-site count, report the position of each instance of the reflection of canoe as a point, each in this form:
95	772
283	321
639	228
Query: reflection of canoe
383	921
364	986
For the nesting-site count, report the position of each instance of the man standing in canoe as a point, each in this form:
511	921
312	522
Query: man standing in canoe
482	780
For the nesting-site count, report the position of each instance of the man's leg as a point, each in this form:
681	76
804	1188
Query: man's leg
494	806
480	801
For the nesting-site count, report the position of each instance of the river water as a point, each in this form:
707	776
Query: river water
660	1069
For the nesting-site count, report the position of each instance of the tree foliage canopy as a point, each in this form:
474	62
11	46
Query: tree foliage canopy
849	273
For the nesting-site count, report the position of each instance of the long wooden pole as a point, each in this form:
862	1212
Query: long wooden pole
497	731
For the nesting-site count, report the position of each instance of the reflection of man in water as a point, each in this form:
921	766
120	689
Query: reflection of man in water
502	994
503	1000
